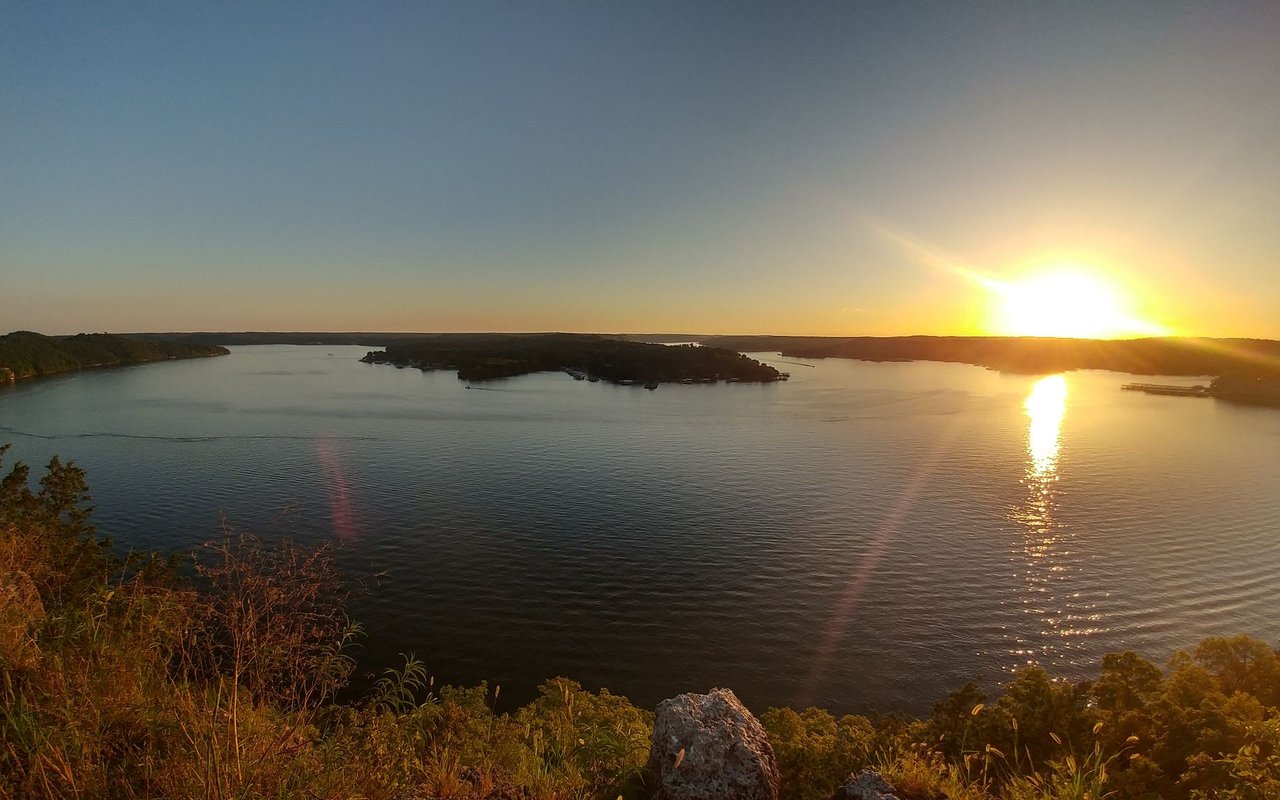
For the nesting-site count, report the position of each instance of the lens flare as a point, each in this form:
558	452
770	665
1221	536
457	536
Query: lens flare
335	484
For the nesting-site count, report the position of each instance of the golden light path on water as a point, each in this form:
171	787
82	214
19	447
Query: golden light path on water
1040	550
1043	549
1046	405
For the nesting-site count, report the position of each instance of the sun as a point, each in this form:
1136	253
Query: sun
1065	301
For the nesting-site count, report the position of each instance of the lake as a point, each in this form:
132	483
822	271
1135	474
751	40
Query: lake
864	536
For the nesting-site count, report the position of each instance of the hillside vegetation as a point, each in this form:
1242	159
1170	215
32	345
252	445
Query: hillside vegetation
485	356
1035	355
118	678
30	354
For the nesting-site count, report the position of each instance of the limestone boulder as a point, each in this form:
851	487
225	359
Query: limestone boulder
866	785
710	747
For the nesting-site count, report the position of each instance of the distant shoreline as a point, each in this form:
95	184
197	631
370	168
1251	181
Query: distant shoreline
1149	356
25	355
1190	356
1248	369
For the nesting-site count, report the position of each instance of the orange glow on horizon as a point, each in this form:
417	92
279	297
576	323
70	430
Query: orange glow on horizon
1054	297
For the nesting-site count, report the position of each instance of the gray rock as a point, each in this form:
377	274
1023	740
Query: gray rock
710	747
866	785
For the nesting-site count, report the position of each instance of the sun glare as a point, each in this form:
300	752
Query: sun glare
1067	302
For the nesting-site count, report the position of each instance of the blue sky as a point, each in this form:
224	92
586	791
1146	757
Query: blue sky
699	167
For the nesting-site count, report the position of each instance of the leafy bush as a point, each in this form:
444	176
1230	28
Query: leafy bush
815	751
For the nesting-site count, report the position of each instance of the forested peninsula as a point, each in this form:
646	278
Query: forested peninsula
24	354
478	357
1033	355
1247	371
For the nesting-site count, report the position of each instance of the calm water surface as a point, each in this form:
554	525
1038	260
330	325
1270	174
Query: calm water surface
866	536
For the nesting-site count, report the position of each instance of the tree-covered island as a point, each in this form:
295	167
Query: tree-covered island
478	357
24	354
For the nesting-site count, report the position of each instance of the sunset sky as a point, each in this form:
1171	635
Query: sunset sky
706	167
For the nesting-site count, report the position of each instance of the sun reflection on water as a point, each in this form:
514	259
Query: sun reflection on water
1045	405
1062	617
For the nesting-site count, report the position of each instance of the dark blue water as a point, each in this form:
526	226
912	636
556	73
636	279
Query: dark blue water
864	536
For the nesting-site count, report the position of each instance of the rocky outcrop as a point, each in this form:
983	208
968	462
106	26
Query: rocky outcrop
710	747
866	785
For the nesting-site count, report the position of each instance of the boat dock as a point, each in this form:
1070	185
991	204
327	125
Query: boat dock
1177	390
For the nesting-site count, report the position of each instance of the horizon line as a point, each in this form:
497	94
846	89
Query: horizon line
672	335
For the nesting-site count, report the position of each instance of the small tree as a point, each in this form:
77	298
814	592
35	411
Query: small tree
272	633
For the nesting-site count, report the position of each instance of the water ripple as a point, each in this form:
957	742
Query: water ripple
864	536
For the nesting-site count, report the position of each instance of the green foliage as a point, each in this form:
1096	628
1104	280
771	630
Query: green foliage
29	354
56	521
1126	683
1253	771
597	741
815	751
1067	778
397	690
1242	665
